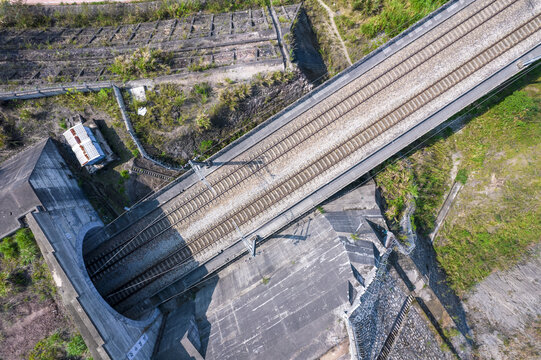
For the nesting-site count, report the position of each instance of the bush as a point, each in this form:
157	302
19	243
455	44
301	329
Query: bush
203	122
142	62
47	349
205	146
125	174
202	90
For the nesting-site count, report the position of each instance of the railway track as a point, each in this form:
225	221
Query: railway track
205	239
155	174
311	124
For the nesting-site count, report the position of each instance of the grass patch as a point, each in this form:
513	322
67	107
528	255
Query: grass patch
423	177
79	101
365	25
329	44
207	116
495	218
59	346
21	266
18	15
143	62
265	280
462	176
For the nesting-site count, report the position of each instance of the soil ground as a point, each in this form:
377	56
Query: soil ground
504	311
25	320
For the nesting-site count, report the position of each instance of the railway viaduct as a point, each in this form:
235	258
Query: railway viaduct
213	214
312	149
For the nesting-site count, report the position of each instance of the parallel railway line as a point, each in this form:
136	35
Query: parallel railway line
313	123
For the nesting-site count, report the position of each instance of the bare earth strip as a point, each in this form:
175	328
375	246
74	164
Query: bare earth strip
58	2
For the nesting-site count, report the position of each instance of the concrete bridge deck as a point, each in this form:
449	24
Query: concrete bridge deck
316	147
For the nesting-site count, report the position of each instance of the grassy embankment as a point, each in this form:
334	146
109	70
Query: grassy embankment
496	215
366	24
207	116
19	15
329	44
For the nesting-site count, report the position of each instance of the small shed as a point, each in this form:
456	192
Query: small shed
84	145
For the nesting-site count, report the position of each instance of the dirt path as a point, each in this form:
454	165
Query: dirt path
335	28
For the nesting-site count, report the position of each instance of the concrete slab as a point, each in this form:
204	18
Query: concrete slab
288	301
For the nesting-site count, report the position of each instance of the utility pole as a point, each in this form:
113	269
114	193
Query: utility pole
250	246
197	169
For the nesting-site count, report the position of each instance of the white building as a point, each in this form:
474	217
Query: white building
84	144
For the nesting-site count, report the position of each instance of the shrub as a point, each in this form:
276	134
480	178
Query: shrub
205	146
141	63
462	176
9	248
47	349
28	250
203	121
125	174
202	90
62	124
5	285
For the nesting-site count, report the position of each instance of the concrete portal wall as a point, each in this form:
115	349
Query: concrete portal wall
60	230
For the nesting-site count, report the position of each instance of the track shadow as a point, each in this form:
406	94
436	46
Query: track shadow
185	335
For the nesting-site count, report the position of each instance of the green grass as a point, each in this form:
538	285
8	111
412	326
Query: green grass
462	176
18	15
366	24
59	346
211	115
103	100
22	266
76	346
396	16
125	174
143	62
496	216
423	177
